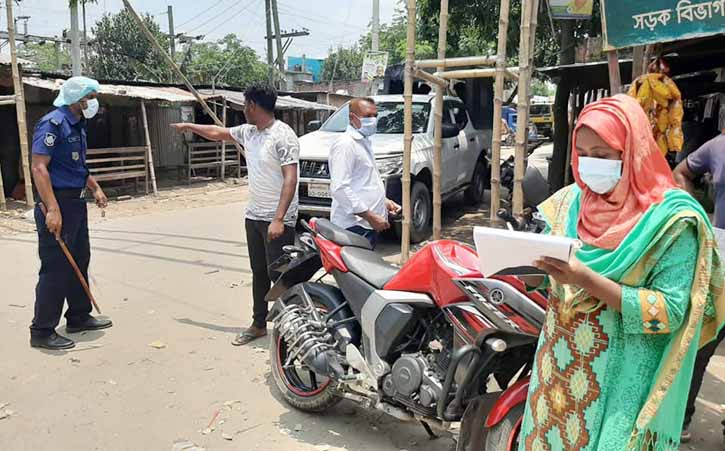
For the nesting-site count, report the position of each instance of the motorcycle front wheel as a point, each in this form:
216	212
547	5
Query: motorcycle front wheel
300	387
505	435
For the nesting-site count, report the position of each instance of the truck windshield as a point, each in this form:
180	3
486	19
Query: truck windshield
540	110
390	118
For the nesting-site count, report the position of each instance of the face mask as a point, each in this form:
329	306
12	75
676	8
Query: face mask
91	108
599	174
368	126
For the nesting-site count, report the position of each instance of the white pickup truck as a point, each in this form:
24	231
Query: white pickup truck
465	164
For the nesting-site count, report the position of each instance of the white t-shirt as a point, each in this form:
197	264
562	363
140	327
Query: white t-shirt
266	151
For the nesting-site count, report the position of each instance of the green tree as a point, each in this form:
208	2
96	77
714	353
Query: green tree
122	52
46	56
228	59
343	64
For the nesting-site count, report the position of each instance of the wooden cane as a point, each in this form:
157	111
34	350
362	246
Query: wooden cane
73	264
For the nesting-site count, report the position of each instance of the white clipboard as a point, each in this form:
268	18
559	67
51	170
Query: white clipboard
507	252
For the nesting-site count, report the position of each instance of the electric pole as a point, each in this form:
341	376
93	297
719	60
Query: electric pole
278	33
172	36
376	26
85	38
268	14
75	51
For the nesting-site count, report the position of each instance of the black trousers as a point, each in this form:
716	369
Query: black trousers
57	282
701	361
263	253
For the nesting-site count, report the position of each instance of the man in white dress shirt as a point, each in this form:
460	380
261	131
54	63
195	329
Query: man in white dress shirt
358	193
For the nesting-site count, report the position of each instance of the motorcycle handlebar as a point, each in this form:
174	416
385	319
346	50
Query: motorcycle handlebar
508	217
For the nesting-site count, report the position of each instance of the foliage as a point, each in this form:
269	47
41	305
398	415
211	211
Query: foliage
122	52
228	59
346	63
45	56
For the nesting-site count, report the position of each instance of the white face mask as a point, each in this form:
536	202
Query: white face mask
368	125
599	174
91	108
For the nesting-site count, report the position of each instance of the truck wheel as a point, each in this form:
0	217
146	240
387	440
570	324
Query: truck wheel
479	182
421	214
505	435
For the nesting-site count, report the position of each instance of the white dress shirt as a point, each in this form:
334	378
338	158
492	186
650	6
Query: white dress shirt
355	182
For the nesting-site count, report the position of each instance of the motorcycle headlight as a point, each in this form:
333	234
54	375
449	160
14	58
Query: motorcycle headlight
390	166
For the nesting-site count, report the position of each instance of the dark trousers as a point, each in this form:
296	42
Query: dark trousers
263	253
57	282
370	235
701	361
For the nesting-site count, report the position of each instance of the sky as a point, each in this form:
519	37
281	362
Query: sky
330	22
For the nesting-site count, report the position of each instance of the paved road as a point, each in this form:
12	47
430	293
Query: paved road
180	278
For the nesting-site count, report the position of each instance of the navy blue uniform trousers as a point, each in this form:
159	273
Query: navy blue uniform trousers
57	282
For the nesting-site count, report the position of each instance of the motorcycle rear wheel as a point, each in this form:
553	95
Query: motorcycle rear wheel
300	389
505	435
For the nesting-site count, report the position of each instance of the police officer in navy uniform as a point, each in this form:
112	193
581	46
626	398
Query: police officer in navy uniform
62	178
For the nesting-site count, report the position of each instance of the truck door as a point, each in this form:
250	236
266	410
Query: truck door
463	149
450	153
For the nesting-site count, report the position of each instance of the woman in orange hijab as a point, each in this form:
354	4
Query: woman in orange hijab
627	315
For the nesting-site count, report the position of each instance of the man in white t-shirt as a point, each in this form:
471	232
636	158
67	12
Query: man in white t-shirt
272	155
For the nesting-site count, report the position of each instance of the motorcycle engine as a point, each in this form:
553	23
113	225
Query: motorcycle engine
415	380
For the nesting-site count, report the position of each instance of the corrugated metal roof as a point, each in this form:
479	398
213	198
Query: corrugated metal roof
167	94
283	102
5	60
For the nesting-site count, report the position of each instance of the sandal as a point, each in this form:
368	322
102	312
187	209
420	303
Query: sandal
248	336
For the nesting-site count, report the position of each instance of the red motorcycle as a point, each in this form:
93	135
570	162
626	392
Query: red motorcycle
433	341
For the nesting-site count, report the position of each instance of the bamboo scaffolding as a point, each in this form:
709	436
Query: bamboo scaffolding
19	106
503	25
443	63
174	67
438	130
150	153
224	143
430	78
528	28
407	129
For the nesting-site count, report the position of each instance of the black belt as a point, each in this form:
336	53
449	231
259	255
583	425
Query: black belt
70	193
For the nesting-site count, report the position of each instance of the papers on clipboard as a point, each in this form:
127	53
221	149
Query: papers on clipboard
720	238
506	252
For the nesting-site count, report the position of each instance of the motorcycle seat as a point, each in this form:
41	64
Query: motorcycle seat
340	236
369	266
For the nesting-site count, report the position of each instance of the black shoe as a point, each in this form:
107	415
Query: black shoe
90	324
53	342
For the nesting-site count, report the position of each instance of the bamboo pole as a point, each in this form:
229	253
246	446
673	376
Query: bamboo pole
637	61
503	25
174	67
438	128
407	129
475	73
522	121
19	106
615	79
430	78
148	149
224	143
570	124
445	63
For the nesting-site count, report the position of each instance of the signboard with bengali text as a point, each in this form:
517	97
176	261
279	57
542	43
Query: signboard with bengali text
628	23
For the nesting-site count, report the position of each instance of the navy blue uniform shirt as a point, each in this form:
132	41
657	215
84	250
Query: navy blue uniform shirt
62	136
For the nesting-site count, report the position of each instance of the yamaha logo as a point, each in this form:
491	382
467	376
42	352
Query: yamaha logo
496	296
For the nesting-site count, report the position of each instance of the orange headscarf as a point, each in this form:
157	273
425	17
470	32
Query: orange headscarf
605	220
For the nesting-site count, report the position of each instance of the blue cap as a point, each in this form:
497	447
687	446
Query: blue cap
74	89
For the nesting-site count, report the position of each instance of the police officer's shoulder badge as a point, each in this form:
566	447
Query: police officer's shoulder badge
49	140
76	156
